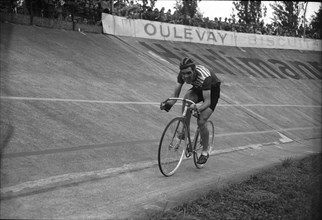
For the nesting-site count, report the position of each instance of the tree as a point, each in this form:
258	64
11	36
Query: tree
286	13
316	22
187	7
187	10
250	11
190	7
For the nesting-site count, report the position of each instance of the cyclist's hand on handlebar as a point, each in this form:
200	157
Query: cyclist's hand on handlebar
166	106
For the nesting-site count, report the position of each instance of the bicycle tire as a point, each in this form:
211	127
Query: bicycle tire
197	148
171	148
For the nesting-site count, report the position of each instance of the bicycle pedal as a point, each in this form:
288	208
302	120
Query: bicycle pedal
188	154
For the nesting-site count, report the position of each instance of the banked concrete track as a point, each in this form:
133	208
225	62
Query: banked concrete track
80	120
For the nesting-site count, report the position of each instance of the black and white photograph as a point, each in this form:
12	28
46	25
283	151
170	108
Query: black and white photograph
160	109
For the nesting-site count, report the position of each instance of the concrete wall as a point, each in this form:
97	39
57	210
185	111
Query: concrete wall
49	23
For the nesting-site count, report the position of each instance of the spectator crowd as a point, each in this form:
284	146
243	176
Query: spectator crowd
89	12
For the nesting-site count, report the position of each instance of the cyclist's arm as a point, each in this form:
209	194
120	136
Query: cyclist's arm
177	90
176	93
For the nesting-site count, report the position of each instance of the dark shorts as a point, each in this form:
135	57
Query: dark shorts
214	95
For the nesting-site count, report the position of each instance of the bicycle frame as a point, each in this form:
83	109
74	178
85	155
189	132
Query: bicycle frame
173	146
184	113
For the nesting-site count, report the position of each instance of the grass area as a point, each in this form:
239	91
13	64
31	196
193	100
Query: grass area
291	190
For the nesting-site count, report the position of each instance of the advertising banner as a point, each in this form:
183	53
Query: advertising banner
121	26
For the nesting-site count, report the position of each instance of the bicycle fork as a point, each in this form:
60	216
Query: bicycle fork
188	150
177	135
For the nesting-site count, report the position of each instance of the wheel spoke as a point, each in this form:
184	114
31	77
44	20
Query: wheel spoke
171	148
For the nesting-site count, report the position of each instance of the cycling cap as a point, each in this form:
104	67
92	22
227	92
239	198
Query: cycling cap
186	62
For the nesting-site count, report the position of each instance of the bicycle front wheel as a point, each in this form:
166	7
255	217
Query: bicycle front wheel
172	146
197	147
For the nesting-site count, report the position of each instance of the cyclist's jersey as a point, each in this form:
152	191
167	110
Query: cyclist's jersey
204	79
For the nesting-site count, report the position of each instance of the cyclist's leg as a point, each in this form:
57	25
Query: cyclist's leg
204	116
193	96
204	133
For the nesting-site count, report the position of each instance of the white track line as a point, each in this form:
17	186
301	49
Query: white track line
266	131
69	178
142	103
30	187
74	100
86	147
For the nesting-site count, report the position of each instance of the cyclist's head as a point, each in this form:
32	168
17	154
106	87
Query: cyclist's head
187	69
186	62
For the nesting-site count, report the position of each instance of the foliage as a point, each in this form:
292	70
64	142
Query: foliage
291	190
250	11
152	3
187	7
190	7
286	13
316	22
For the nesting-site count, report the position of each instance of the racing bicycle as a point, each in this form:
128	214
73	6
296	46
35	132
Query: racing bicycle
176	142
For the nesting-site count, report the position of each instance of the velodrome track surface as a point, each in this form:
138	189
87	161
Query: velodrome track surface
81	111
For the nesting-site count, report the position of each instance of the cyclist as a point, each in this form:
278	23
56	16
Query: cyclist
206	88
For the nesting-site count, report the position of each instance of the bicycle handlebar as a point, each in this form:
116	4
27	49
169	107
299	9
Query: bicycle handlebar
183	100
194	108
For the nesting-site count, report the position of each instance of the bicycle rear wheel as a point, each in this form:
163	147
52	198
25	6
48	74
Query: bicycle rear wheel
171	147
197	147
